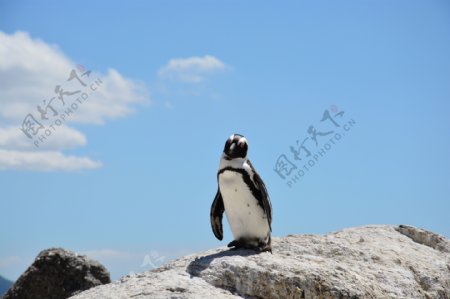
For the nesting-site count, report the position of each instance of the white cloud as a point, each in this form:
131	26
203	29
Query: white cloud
30	70
192	69
12	138
113	99
44	161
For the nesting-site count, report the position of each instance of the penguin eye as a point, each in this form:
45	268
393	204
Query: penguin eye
241	144
229	141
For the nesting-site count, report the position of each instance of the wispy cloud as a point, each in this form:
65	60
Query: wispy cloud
192	69
29	71
12	138
44	161
10	260
99	254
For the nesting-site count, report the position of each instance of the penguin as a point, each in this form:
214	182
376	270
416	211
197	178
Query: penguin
243	196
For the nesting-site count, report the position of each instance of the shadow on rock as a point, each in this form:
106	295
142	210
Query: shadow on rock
201	263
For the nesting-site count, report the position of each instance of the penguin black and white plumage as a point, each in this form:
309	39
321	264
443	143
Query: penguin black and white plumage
243	197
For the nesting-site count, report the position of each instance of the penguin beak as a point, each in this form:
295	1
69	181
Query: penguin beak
235	146
232	147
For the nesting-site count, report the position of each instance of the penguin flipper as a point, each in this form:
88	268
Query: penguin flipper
217	209
263	198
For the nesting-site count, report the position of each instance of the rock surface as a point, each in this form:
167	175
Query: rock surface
57	274
363	262
424	237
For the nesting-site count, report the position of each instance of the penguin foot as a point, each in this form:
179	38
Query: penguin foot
236	244
260	247
264	248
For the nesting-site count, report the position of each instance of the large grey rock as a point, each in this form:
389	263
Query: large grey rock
57	274
363	262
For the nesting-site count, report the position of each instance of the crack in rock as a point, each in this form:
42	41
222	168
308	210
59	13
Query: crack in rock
425	237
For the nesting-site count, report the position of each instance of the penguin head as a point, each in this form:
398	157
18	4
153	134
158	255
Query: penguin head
236	147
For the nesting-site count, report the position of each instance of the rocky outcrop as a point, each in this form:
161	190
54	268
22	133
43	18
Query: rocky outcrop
364	262
57	274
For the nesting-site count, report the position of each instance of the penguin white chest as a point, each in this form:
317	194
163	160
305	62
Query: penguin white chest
246	218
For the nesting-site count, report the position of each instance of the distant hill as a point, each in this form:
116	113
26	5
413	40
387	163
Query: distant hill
4	285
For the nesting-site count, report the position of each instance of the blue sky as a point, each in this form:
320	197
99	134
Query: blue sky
130	177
